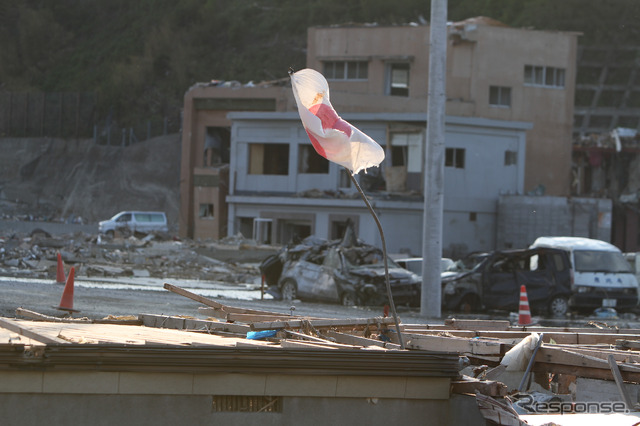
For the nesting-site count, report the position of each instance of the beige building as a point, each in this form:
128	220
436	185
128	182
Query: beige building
509	122
493	71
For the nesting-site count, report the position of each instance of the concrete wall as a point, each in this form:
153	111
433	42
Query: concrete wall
522	219
108	398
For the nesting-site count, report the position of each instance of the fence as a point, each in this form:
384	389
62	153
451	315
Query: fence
71	115
113	135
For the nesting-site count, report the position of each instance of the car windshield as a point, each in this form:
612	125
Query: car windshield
357	258
471	262
600	261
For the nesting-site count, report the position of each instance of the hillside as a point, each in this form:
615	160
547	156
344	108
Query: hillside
140	57
59	179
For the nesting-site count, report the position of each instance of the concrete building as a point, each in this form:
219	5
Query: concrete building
508	131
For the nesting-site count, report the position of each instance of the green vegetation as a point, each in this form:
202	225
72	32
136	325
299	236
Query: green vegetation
141	56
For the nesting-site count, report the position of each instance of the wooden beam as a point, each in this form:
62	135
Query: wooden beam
619	382
485	387
454	345
14	325
482	325
323	323
179	323
42	317
244	317
216	305
350	339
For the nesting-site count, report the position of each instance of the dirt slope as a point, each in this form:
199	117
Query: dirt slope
59	179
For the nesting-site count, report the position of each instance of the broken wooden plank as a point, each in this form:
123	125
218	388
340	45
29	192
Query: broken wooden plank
454	344
603	352
628	344
481	325
486	387
216	305
288	343
243	317
619	382
15	326
303	336
42	317
351	339
324	323
179	323
556	360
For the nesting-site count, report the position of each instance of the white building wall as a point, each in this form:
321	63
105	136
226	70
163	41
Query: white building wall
471	193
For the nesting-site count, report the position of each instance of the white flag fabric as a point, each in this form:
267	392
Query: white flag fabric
331	136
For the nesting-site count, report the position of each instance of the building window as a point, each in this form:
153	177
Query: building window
345	179
473	216
268	159
309	161
398	79
346	70
399	155
206	211
510	158
500	96
543	76
454	157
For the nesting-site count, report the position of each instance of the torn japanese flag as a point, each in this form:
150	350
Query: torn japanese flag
331	136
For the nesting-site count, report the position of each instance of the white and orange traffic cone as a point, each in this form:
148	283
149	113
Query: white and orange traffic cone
66	302
524	314
60	279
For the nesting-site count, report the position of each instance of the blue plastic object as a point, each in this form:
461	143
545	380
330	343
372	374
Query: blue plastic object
257	335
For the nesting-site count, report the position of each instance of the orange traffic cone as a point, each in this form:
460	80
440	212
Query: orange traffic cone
66	302
60	279
524	314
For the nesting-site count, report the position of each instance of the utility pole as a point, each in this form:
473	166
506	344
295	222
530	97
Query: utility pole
431	297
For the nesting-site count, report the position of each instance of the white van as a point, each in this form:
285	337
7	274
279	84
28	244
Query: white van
602	275
134	221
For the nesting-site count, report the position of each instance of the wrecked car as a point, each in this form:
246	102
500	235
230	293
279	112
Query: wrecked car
335	272
492	281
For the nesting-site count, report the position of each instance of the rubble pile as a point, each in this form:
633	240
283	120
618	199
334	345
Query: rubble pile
34	255
517	375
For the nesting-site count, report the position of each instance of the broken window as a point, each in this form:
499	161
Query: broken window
398	155
268	159
216	146
454	157
206	210
406	150
500	96
346	70
535	75
339	224
510	158
309	161
398	79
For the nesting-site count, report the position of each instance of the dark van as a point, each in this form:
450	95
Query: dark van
494	280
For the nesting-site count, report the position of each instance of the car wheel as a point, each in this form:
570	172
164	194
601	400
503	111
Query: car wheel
110	234
558	306
469	303
348	299
288	290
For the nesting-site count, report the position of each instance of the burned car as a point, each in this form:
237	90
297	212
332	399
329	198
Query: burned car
492	281
350	273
